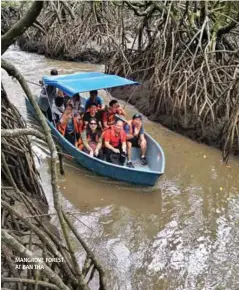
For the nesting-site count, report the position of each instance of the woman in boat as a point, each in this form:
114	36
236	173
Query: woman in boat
92	139
69	127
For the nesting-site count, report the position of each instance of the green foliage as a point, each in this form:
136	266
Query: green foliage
13	4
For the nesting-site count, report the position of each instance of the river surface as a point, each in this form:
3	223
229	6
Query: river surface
182	234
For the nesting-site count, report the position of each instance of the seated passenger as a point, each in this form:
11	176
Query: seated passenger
76	103
115	143
58	109
68	126
80	123
108	115
94	98
92	113
135	138
92	139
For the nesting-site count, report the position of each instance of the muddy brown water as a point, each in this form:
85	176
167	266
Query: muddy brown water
181	234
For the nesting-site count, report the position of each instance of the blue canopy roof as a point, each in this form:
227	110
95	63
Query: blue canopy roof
85	82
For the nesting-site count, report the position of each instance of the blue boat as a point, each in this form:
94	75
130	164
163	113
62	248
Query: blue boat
85	82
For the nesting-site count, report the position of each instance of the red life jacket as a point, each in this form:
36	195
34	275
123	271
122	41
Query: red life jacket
112	131
110	117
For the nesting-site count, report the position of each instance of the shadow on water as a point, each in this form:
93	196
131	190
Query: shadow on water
181	234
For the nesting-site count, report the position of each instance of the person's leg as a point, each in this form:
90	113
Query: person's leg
108	153
143	146
129	147
122	156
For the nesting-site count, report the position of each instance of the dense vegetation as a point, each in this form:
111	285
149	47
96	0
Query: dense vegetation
26	230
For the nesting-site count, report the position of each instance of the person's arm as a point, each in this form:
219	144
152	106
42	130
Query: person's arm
121	112
127	131
85	119
100	102
107	143
86	105
85	141
105	121
124	147
99	144
124	142
141	133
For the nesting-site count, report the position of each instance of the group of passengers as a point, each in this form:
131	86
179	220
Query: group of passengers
95	129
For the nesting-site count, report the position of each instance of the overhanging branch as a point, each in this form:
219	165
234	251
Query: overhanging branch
21	26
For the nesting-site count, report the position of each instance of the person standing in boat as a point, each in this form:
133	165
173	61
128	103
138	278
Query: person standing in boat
94	98
68	126
92	139
108	115
92	113
115	143
135	138
47	97
58	109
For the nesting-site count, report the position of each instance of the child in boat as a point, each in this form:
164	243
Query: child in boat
92	139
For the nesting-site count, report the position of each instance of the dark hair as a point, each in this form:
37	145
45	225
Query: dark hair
59	101
93	119
76	96
92	104
112	102
69	105
95	92
98	129
137	116
54	72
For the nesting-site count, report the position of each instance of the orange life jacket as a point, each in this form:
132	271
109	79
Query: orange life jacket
61	127
110	117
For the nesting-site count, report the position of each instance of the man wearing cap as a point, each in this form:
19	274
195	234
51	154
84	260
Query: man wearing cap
135	138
